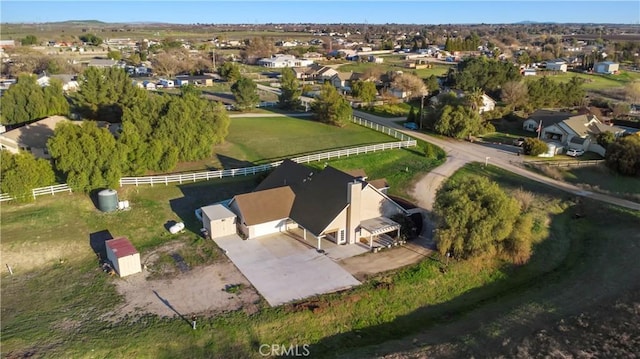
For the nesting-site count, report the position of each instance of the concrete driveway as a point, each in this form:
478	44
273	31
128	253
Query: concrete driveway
283	269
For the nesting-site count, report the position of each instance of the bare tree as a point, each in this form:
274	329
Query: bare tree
409	83
514	93
170	63
633	92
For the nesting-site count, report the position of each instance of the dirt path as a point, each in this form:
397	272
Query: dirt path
200	290
425	189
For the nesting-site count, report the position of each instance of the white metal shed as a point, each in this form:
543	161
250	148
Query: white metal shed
124	256
218	220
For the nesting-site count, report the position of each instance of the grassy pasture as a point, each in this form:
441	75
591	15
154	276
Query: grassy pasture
258	140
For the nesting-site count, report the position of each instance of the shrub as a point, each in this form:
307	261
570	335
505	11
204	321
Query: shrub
534	147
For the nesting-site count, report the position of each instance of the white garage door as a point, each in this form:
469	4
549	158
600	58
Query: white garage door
268	228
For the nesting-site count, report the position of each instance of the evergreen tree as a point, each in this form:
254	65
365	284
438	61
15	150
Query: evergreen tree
20	173
104	93
412	115
289	98
246	93
230	71
330	107
87	155
27	101
364	90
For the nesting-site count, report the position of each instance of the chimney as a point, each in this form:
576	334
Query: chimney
354	194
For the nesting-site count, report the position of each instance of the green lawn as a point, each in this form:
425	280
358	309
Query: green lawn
400	109
596	81
399	167
600	177
437	70
60	318
258	140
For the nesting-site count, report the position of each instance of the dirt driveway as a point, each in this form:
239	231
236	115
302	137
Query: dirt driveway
200	290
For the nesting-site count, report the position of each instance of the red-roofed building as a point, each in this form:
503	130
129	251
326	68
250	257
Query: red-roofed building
124	256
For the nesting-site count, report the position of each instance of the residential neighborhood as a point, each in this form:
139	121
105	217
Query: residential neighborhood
274	180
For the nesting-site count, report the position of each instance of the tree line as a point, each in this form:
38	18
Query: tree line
27	101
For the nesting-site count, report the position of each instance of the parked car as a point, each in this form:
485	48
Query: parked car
411	125
518	142
575	153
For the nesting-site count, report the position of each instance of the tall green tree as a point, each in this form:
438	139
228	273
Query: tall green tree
364	90
230	71
474	217
162	130
246	93
104	92
87	155
330	107
289	97
20	173
488	75
623	156
606	138
27	101
458	121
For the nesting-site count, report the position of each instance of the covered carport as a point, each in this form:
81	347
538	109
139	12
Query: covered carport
378	226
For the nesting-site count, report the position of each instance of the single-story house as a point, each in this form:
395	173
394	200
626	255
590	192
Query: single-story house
281	60
123	256
326	204
102	63
579	132
32	137
606	67
488	104
557	65
69	82
148	85
166	83
202	80
218	220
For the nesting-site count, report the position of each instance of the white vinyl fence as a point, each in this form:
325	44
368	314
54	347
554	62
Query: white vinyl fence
405	141
199	176
52	190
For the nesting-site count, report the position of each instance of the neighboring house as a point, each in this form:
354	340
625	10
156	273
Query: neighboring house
488	104
606	67
529	72
344	80
102	63
69	82
579	132
203	80
557	65
32	137
544	118
326	204
399	93
281	61
148	85
166	83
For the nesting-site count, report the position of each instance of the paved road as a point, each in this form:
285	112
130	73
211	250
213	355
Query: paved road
503	156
